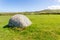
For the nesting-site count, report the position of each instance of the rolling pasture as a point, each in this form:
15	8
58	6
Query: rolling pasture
44	27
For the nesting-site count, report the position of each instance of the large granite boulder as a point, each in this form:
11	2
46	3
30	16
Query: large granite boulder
19	20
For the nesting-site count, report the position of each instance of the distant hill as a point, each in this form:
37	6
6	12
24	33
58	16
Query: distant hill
45	11
49	11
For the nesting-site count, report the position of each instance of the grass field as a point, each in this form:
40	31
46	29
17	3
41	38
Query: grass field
44	27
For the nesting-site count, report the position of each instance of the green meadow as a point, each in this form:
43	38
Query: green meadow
44	27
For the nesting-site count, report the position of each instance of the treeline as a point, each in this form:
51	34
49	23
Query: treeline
28	13
25	13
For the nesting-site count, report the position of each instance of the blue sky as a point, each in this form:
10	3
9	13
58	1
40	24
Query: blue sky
27	5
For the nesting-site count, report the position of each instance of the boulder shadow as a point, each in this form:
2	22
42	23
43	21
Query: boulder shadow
7	26
14	28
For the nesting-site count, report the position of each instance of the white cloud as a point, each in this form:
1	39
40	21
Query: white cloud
54	7
57	0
